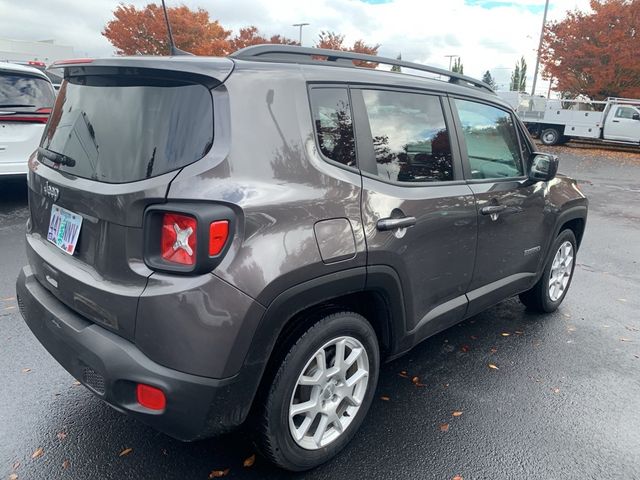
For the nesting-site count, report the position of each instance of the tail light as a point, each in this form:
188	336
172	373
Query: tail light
178	238
41	115
190	238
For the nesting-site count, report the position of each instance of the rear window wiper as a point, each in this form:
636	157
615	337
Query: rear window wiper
56	157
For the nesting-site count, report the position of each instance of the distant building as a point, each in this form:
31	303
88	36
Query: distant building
47	51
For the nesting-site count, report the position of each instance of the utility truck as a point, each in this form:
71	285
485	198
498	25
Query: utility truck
556	121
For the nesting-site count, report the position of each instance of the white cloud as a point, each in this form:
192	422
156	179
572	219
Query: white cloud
423	30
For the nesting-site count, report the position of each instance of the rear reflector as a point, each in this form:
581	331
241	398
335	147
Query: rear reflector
218	234
178	238
151	397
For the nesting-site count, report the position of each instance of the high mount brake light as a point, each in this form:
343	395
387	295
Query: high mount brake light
72	61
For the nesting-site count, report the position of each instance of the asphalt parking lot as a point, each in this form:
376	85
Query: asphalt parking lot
561	404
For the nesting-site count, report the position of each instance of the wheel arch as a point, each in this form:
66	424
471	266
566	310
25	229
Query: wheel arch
376	295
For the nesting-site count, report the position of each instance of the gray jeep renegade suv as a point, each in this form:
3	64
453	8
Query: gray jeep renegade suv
215	240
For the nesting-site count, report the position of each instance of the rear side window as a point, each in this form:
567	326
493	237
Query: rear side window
25	92
126	128
333	124
410	137
492	141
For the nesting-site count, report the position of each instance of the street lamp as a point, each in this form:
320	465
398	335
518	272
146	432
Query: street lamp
300	25
451	57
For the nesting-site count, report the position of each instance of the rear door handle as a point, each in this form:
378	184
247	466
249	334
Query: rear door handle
493	209
615	121
385	224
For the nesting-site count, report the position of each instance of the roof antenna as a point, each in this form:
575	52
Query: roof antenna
173	50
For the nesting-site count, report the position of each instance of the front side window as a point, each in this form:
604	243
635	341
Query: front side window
492	141
333	124
410	137
625	112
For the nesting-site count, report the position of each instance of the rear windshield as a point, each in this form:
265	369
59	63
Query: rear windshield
125	128
25	92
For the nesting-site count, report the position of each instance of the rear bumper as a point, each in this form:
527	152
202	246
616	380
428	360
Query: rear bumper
110	367
10	169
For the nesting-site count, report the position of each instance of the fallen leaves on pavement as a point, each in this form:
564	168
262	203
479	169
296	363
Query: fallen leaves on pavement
416	382
219	473
248	462
66	464
493	350
125	452
493	367
505	334
26	370
404	374
444	427
13	476
385	398
457	477
465	348
37	453
61	436
456	413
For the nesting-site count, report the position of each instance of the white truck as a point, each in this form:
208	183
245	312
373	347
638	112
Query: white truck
556	121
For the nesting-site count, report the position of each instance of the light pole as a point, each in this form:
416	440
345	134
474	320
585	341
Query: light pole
451	57
535	73
300	25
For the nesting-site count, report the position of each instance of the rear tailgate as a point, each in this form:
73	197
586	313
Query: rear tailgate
118	135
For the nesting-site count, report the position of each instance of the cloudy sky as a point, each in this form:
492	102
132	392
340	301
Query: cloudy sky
487	34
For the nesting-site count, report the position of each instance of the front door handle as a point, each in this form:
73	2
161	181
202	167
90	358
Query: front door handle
615	121
385	224
493	209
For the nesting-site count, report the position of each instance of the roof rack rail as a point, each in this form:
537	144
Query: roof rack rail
296	54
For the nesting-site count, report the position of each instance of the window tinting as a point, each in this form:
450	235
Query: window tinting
410	137
25	92
625	112
492	141
129	127
334	128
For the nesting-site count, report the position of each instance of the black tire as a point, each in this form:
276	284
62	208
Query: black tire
275	440
550	136
538	298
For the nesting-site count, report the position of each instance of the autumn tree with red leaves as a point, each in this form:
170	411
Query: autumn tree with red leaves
251	36
595	54
335	41
144	32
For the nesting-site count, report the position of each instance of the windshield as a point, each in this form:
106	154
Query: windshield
25	92
124	128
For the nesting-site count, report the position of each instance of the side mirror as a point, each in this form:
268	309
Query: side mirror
636	116
544	167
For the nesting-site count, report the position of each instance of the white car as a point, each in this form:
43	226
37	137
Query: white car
26	99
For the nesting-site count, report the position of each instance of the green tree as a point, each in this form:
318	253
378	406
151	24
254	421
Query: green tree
489	80
458	67
519	77
396	68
